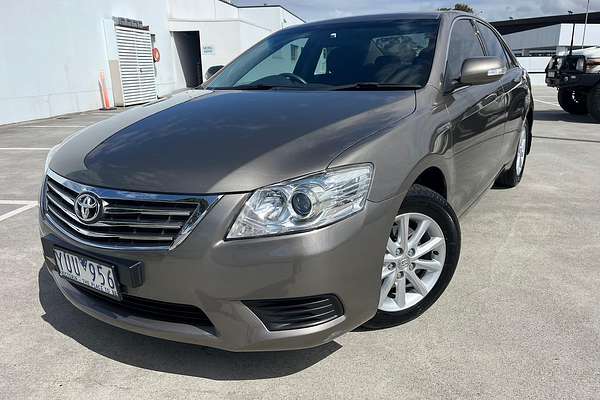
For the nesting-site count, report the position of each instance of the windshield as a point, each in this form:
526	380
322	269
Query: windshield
370	55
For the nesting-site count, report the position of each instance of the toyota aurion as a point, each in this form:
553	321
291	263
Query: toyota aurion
310	187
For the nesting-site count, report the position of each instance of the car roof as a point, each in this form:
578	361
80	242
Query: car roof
438	15
376	17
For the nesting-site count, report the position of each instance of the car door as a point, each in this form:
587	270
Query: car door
477	114
515	86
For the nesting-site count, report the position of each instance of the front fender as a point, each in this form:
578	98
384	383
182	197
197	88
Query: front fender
400	154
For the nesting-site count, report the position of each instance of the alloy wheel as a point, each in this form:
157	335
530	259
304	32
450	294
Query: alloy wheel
521	150
413	261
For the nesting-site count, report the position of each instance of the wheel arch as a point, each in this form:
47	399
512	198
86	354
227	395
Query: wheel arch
529	119
433	178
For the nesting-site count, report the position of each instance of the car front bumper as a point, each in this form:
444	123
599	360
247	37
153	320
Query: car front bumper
217	276
565	79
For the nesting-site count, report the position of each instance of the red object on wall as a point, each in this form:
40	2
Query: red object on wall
155	54
104	92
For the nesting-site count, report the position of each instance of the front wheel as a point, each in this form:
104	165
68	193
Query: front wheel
420	258
573	101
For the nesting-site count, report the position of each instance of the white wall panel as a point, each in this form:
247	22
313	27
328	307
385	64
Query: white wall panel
53	50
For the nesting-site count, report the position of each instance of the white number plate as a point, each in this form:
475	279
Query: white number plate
87	272
551	74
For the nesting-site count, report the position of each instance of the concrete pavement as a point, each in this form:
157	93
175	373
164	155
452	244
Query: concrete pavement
521	318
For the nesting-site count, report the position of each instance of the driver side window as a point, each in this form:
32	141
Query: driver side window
463	45
281	61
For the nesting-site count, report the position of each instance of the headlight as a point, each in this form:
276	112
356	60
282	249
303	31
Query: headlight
303	204
49	157
559	62
593	65
580	66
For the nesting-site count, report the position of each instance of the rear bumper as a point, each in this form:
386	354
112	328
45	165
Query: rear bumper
218	276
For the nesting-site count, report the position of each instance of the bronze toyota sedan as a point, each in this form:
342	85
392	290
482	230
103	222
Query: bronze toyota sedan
309	187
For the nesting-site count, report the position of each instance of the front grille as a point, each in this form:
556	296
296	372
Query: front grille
154	309
128	219
296	313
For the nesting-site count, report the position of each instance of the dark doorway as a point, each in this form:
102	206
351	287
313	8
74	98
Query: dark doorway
188	48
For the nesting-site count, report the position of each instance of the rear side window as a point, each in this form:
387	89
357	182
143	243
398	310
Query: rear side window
492	44
464	44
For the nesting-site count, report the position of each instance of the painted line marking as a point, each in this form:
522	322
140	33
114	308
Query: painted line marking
52	126
26	205
25	148
547	102
567	139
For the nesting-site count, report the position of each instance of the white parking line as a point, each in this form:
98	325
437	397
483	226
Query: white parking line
52	126
25	148
547	102
26	205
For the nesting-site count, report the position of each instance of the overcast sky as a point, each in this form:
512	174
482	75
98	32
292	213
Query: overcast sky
492	10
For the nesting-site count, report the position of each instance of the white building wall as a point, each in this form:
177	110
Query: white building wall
221	41
225	11
548	36
53	51
226	30
592	35
536	66
289	19
194	9
273	18
555	36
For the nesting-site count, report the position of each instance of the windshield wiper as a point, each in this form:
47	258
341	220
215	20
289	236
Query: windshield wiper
375	86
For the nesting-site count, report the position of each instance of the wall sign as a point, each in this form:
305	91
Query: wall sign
130	23
208	50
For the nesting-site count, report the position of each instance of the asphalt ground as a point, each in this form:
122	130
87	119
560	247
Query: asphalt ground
520	320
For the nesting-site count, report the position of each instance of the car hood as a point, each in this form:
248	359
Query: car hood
592	52
225	141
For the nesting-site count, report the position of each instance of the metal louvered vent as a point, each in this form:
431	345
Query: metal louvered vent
126	220
136	66
296	313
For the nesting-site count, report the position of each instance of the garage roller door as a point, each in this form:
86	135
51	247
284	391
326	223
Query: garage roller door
136	65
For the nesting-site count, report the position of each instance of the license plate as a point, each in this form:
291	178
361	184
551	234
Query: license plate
551	74
90	273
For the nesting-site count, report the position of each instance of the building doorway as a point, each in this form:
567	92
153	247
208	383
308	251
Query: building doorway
188	49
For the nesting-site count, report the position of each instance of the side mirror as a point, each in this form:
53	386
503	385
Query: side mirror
212	70
481	70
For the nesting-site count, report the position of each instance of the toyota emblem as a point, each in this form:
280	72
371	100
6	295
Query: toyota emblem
88	208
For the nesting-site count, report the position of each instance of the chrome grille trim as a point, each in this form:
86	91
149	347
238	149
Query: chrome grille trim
131	220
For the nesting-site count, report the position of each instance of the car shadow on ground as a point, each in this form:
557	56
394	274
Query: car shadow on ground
166	356
563	116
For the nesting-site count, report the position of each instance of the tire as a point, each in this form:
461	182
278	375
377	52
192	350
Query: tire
512	176
424	203
572	101
593	102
